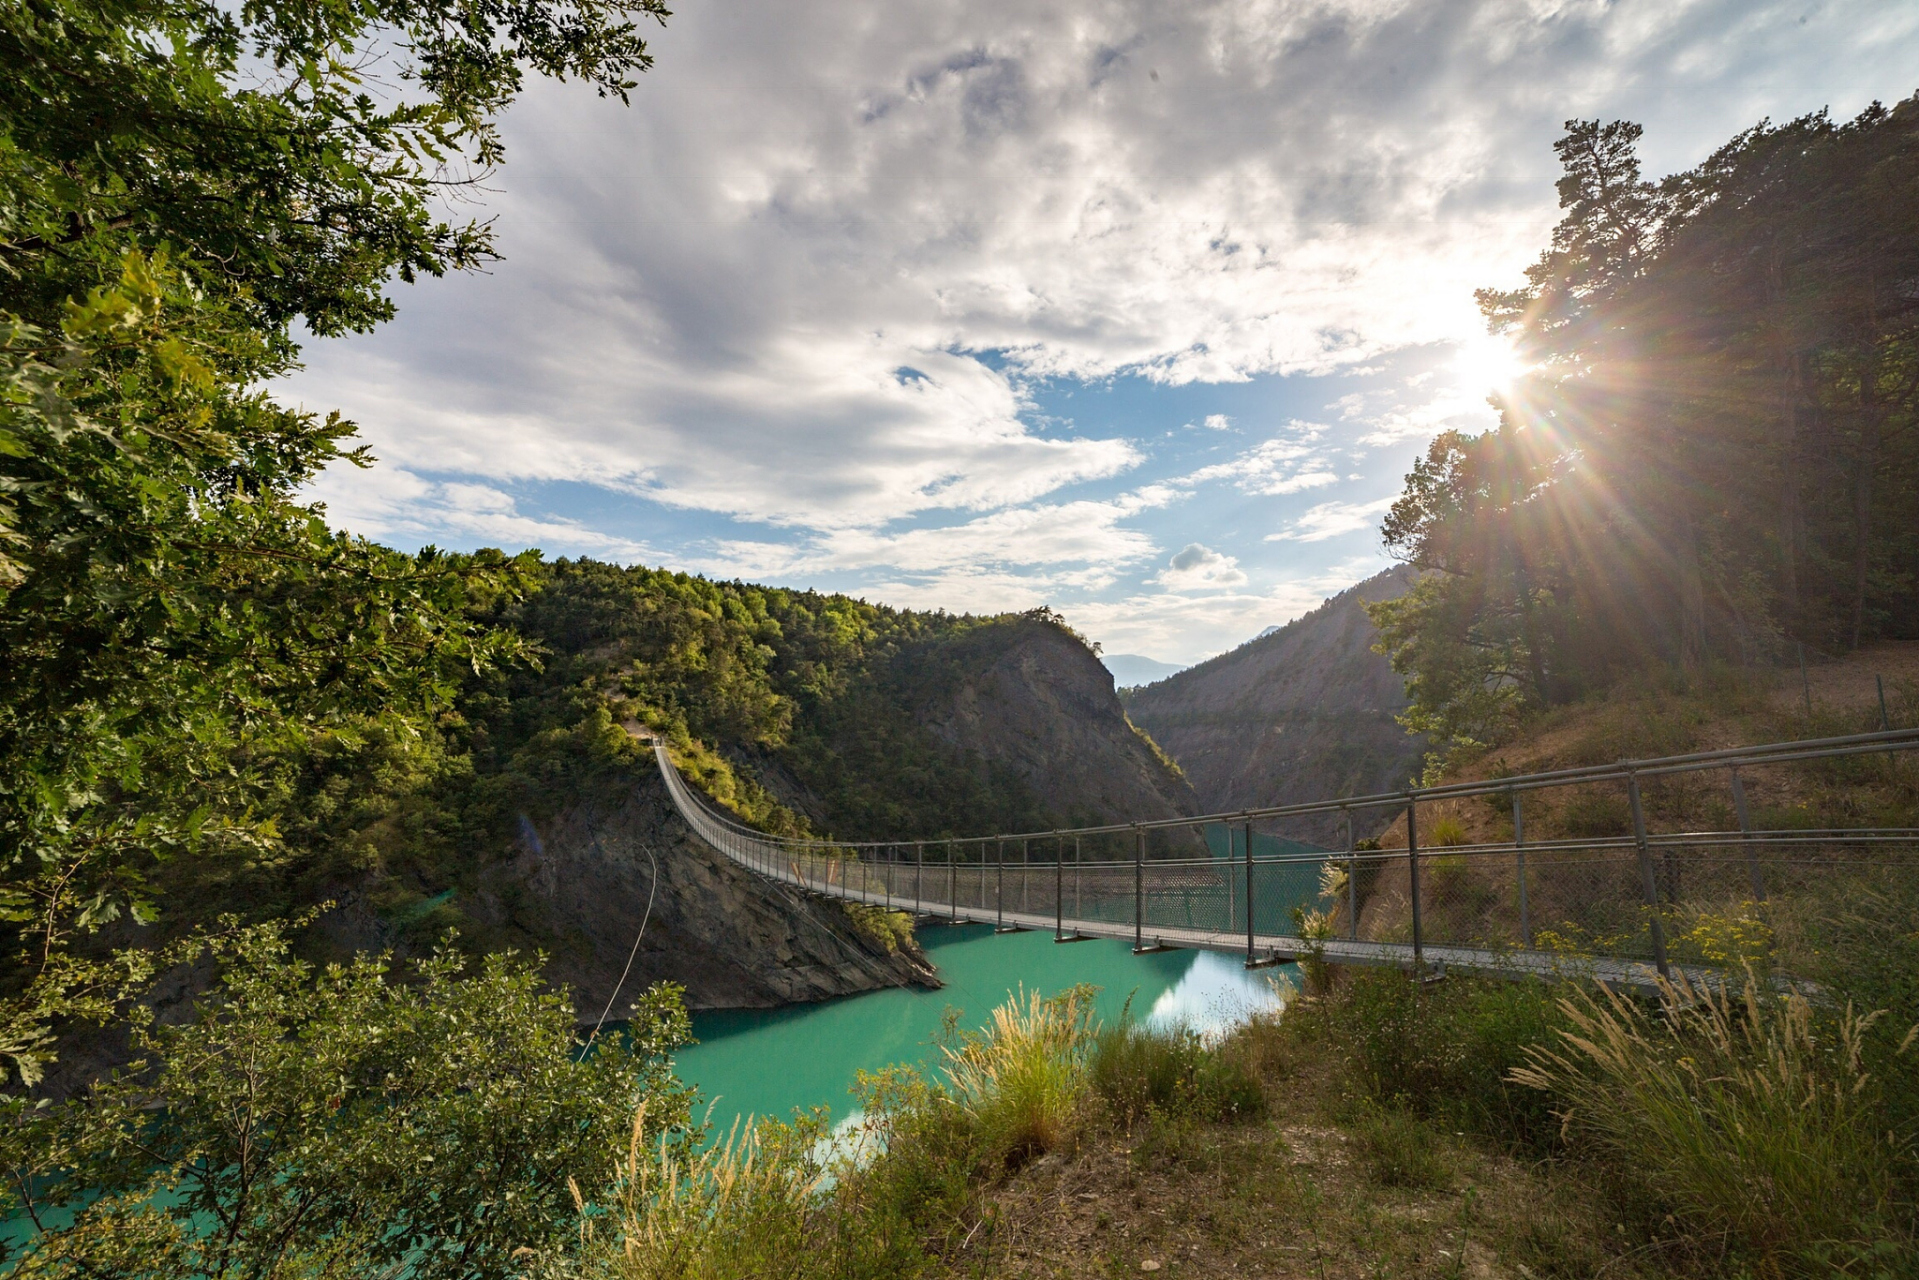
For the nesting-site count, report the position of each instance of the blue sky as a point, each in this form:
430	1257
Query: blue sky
1140	311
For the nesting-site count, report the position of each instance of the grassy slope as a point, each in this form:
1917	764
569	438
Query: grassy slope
1313	1190
1395	1177
1666	716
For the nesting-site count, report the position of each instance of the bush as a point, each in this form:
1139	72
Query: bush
1864	949
1142	1070
1443	1050
885	927
744	1206
1751	1119
763	1202
339	1123
1020	1079
925	1152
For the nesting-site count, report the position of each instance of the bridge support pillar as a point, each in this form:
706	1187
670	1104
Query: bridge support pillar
1655	926
1412	873
1139	889
1252	960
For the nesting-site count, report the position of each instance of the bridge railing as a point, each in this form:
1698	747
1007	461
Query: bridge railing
1610	883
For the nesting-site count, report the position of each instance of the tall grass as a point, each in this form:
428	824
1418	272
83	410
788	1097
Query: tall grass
1020	1079
1141	1071
746	1206
1751	1119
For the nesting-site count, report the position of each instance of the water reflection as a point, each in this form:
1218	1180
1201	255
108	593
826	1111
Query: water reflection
769	1062
1218	993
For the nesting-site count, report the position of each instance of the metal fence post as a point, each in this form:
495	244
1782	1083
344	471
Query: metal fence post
952	885
1079	901
919	878
1059	887
1352	879
1412	875
1745	832
1139	888
1025	875
1250	958
999	885
1657	927
1519	849
1232	907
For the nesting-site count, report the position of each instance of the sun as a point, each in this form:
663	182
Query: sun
1487	364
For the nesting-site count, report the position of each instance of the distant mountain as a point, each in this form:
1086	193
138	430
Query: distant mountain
1131	669
1303	712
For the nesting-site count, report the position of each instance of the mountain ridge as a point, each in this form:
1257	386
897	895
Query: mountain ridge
1306	711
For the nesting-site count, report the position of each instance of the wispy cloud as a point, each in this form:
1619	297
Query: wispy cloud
793	304
395	505
1290	462
1331	520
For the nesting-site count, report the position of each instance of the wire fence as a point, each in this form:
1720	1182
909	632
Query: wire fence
1530	871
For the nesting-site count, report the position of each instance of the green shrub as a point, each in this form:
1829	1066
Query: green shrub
1751	1119
1444	1049
1020	1079
924	1152
340	1123
887	928
1140	1071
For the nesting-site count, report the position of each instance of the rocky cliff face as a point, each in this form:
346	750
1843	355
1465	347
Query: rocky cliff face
580	889
1044	708
577	891
1027	698
1302	713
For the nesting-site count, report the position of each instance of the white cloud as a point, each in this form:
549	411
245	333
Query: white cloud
805	283
1330	520
394	504
1200	568
1285	464
1184	627
709	299
1064	533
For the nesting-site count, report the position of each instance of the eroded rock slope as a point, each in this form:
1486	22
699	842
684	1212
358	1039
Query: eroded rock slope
1303	713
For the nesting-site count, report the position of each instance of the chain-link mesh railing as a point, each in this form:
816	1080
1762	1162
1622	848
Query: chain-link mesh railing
1574	867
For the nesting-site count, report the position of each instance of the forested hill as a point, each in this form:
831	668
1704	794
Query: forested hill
524	815
1301	713
1714	458
800	711
805	711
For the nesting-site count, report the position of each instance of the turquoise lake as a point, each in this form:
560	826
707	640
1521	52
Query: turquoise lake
766	1062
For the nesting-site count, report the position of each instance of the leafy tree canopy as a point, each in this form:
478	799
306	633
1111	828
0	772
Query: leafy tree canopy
181	183
1716	452
341	1123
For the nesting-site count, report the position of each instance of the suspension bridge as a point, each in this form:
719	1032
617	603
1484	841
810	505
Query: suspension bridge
1624	904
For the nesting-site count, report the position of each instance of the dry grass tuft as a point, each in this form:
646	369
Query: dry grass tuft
1750	1117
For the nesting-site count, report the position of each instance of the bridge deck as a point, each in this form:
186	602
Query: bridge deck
1266	946
769	857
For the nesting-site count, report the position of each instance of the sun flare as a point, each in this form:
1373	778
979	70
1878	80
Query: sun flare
1487	364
